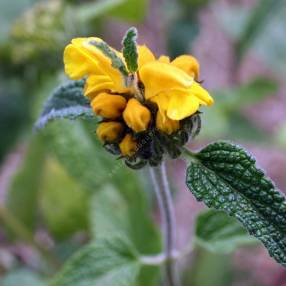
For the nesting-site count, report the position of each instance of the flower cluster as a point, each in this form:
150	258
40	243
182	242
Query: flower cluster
149	106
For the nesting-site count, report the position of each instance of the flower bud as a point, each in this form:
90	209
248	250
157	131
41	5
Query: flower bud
128	146
109	131
165	124
108	105
136	115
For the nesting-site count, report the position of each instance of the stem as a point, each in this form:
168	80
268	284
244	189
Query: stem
162	190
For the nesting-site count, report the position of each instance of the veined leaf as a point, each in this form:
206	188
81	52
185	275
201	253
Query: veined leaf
220	233
129	218
67	101
107	263
225	177
130	52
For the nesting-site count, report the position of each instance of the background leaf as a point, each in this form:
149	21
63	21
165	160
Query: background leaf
129	218
63	208
106	263
217	232
225	177
24	188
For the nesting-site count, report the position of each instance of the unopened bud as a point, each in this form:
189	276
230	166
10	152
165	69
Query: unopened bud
128	146
108	105
109	131
136	115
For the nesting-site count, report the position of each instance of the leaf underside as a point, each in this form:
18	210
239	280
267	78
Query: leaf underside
67	101
226	178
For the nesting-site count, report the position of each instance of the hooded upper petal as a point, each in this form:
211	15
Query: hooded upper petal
189	64
144	56
159	77
78	61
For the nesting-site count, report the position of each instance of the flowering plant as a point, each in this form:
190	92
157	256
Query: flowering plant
147	110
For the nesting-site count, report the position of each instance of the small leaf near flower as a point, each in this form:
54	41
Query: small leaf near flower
130	52
67	101
225	177
116	61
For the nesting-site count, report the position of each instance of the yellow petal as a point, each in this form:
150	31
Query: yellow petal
182	106
78	62
160	77
96	84
144	55
105	64
199	92
165	124
189	64
164	59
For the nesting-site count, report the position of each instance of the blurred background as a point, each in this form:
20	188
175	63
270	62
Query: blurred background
53	182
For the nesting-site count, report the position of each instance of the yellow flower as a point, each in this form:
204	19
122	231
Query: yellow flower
165	124
173	90
128	146
109	131
107	105
136	115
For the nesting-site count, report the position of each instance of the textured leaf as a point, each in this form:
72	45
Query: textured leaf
70	142
217	232
130	219
67	101
106	263
63	202
225	177
130	52
116	61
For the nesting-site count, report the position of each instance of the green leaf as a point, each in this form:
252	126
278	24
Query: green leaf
116	61
25	185
27	278
225	177
130	10
217	232
130	219
63	202
130	52
67	101
104	263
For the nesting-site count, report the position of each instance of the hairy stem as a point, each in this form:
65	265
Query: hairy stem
162	190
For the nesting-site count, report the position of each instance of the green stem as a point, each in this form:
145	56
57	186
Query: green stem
24	234
162	190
